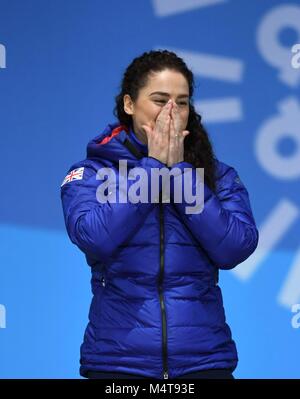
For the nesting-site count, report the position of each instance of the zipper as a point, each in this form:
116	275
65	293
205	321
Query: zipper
160	290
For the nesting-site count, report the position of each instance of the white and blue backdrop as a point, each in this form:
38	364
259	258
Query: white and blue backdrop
60	67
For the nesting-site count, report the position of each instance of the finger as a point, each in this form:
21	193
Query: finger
167	106
175	113
173	136
165	110
172	128
185	133
147	130
163	120
152	125
177	119
175	132
166	126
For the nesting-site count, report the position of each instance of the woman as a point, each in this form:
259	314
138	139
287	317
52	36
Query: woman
157	309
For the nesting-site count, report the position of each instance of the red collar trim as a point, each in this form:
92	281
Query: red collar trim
114	133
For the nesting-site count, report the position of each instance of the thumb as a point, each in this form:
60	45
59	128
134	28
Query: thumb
147	130
185	133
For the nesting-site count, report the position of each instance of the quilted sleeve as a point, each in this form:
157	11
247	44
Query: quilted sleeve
99	228
225	226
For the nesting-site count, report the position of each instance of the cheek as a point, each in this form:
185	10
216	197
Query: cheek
147	115
151	112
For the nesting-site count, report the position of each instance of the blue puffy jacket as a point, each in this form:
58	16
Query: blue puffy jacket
157	309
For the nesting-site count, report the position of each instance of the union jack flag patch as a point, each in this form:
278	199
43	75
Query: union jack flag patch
75	174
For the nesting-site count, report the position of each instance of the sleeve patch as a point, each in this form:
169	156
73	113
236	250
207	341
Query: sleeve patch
75	174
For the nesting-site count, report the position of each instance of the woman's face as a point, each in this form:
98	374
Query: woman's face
161	87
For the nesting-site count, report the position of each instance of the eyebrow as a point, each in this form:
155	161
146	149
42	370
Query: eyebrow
162	93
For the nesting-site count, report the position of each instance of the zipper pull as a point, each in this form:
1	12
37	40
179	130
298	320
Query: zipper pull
166	375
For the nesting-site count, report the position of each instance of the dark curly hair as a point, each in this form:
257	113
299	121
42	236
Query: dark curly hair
197	147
